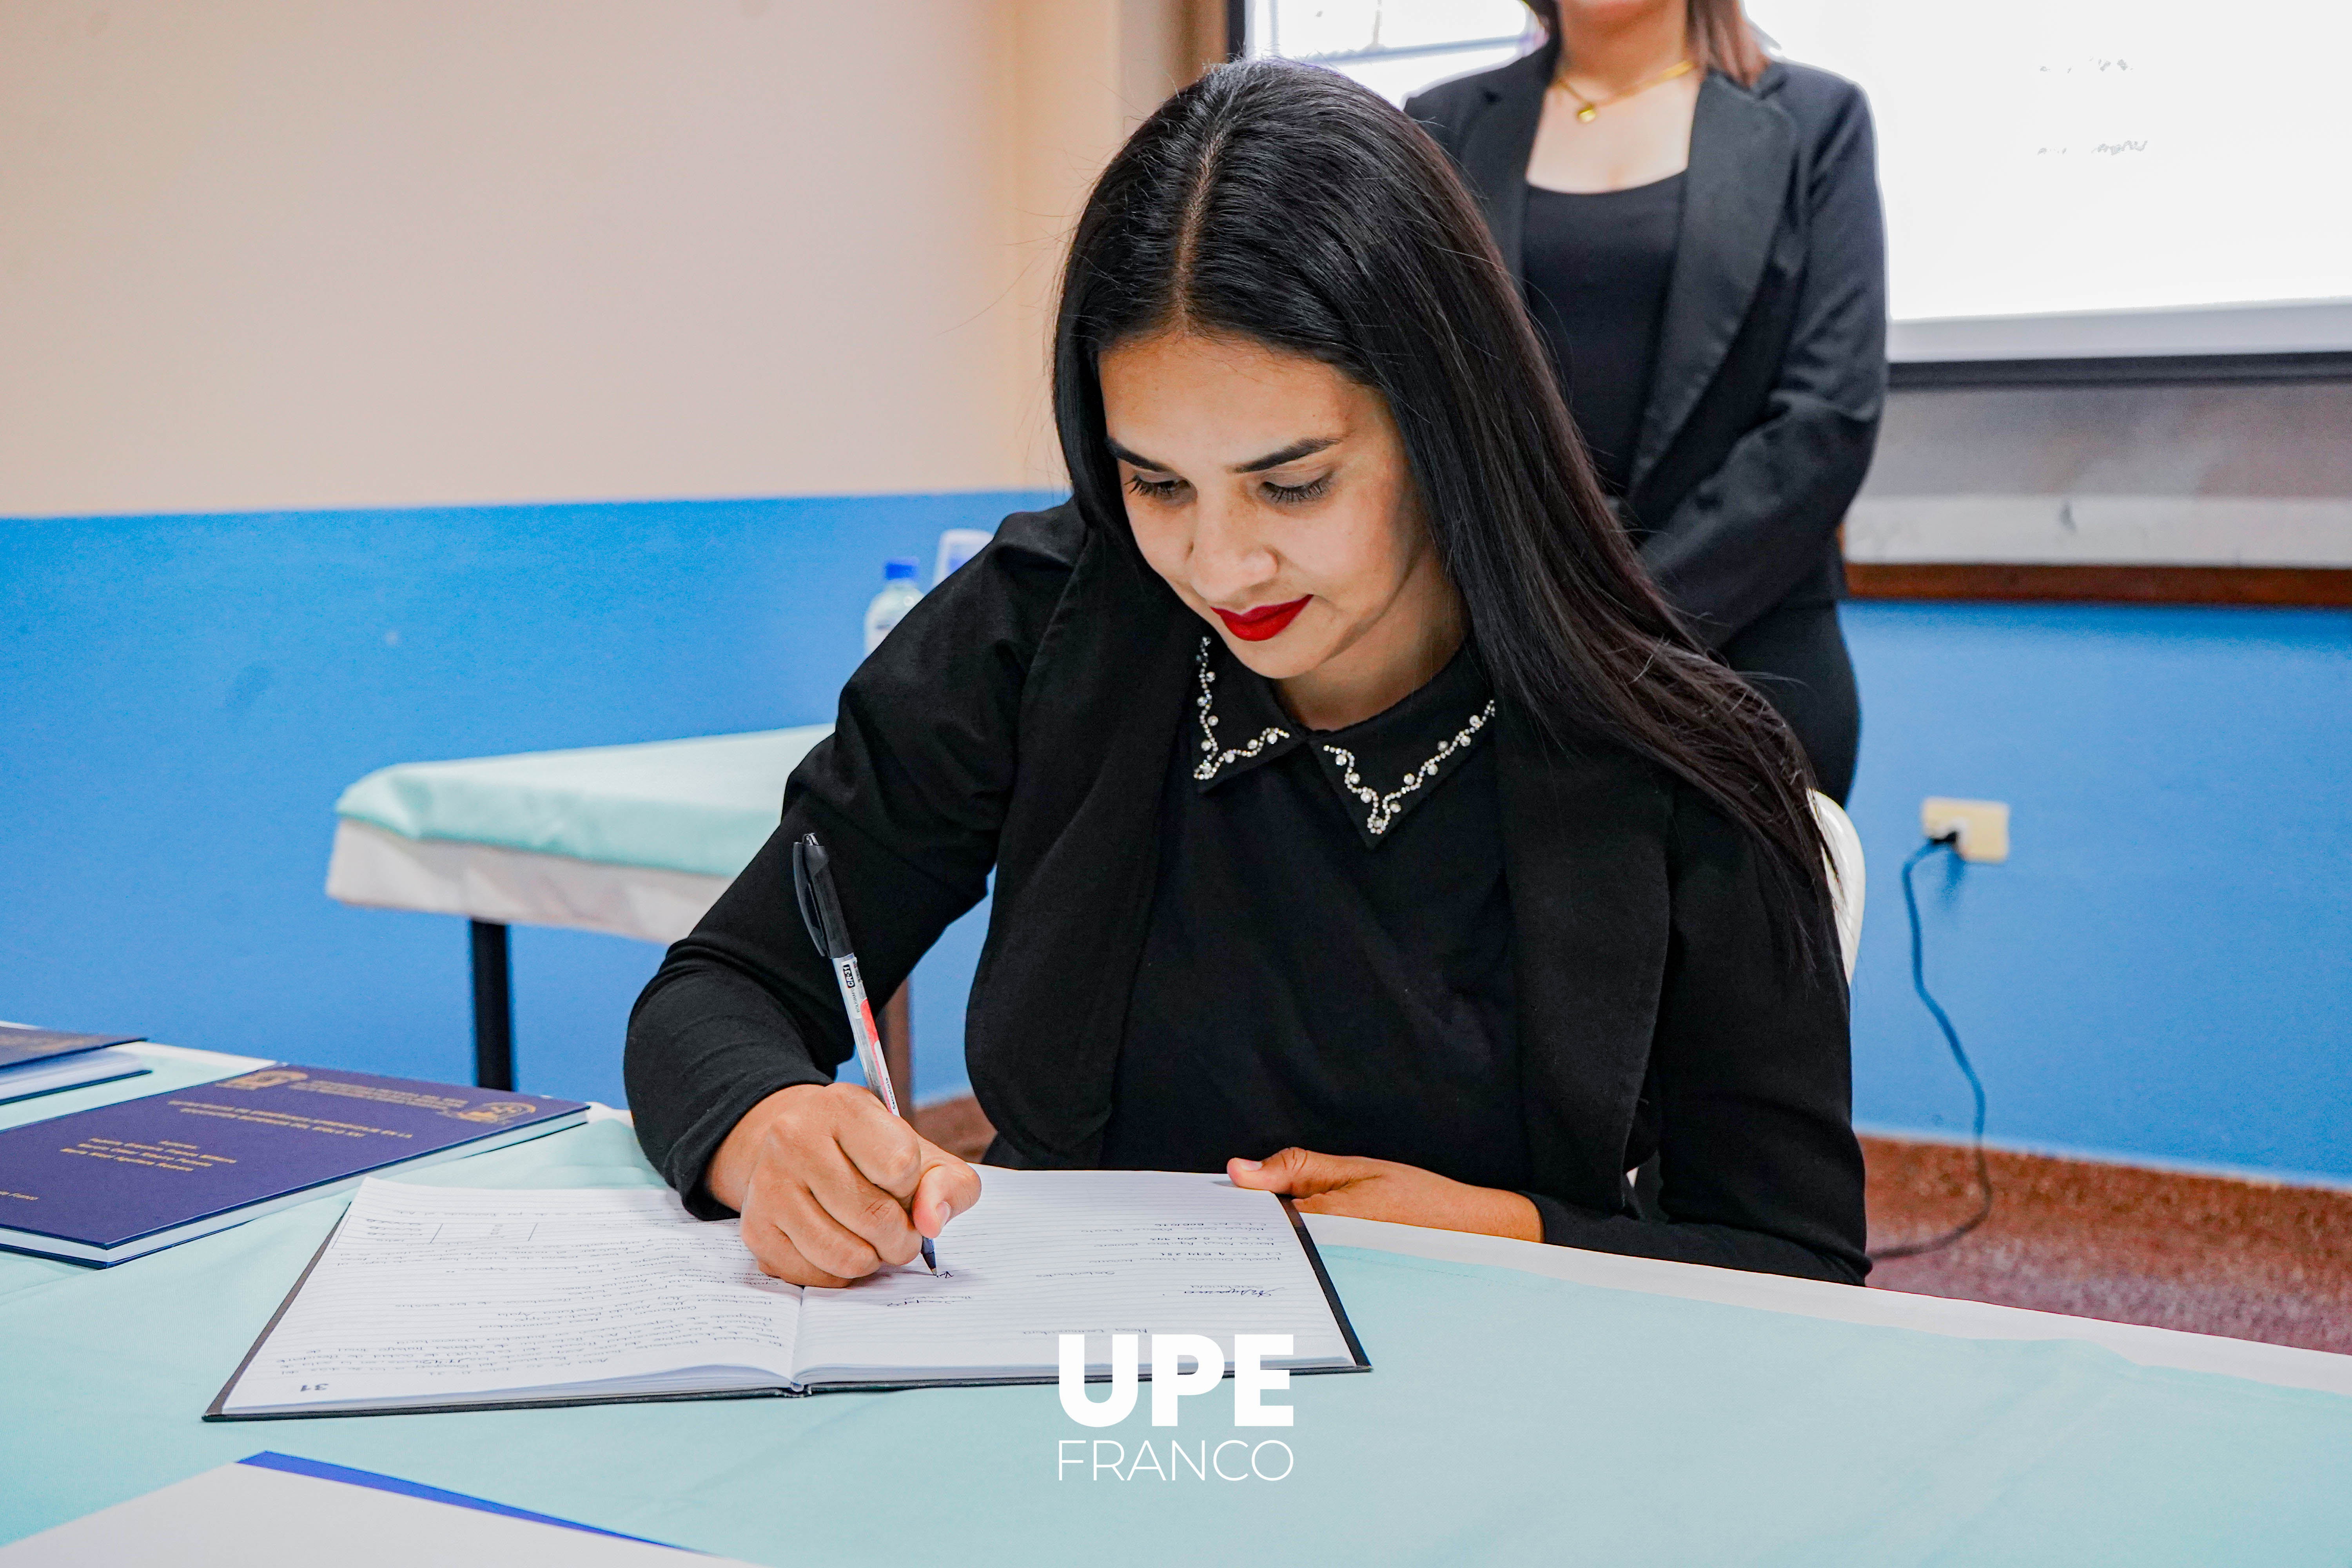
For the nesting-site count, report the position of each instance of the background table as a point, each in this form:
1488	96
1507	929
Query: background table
1528	1403
634	841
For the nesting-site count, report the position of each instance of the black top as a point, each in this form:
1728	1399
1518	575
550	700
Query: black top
1770	358
1019	723
1323	969
1597	267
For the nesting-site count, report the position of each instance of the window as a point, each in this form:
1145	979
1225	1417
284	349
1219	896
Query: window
1396	47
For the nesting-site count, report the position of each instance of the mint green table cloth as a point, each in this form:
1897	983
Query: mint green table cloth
1511	1417
702	806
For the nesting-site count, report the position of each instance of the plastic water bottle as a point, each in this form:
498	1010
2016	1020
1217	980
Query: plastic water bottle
890	605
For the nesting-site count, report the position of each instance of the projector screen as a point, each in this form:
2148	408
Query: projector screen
2064	179
2102	177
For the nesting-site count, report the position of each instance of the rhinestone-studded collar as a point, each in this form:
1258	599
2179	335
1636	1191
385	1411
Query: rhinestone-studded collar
1381	769
1262	731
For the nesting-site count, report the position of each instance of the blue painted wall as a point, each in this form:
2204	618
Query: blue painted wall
183	698
2164	967
2161	972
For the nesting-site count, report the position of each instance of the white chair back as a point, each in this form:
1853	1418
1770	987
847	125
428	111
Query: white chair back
1845	875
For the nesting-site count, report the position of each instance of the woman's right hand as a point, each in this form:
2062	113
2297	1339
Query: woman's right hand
831	1186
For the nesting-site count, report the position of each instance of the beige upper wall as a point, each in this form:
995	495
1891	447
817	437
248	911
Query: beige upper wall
1086	73
262	253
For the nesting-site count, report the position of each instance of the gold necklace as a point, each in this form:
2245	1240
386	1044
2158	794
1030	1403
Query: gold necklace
1588	110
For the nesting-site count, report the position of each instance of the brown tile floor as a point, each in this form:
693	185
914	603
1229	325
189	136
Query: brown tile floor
2217	1257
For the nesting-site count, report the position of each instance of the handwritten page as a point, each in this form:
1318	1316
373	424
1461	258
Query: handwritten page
430	1295
1046	1253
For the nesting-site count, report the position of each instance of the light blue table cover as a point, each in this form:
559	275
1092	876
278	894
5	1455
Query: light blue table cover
702	806
1511	1417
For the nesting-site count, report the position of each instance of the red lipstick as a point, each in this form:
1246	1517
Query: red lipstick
1257	625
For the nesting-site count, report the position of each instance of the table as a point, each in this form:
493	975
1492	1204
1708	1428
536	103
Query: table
636	841
1528	1403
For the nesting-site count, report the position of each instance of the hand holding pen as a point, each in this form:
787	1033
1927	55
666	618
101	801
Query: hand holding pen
820	911
831	1184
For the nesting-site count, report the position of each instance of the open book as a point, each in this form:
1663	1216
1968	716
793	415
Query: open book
448	1299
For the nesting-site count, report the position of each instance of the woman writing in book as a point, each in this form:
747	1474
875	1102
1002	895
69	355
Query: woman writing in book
1363	823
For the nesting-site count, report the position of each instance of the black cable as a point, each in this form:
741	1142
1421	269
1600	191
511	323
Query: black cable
1951	1037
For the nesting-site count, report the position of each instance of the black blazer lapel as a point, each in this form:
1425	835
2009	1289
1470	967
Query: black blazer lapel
1496	150
1743	149
1584	853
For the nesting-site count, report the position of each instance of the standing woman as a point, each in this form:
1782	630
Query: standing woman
1696	230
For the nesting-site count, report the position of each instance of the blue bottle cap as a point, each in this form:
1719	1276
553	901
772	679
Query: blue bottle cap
900	566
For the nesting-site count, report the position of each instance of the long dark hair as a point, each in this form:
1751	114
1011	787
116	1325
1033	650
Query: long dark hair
1283	204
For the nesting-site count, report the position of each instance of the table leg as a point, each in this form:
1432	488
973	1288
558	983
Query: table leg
493	1008
898	1027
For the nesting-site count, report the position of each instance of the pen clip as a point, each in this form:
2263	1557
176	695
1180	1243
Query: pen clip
805	893
820	905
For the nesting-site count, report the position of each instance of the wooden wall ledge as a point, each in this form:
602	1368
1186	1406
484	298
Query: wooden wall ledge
2123	583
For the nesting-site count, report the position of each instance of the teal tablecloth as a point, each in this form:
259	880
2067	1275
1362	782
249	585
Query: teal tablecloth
703	806
1511	1417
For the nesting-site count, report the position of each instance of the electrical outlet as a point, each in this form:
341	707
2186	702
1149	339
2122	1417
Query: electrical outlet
1983	826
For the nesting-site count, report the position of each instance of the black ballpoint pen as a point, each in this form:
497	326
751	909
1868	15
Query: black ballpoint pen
821	910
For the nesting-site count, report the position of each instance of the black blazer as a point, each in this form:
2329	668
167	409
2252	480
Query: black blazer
1771	364
1020	720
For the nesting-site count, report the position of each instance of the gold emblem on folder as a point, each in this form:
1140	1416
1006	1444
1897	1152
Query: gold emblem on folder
267	1078
494	1111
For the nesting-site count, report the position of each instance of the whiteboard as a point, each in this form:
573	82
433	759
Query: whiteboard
2102	177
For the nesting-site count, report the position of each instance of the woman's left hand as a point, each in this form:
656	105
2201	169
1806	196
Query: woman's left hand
1382	1189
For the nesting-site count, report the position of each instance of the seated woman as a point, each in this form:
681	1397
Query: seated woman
1363	824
